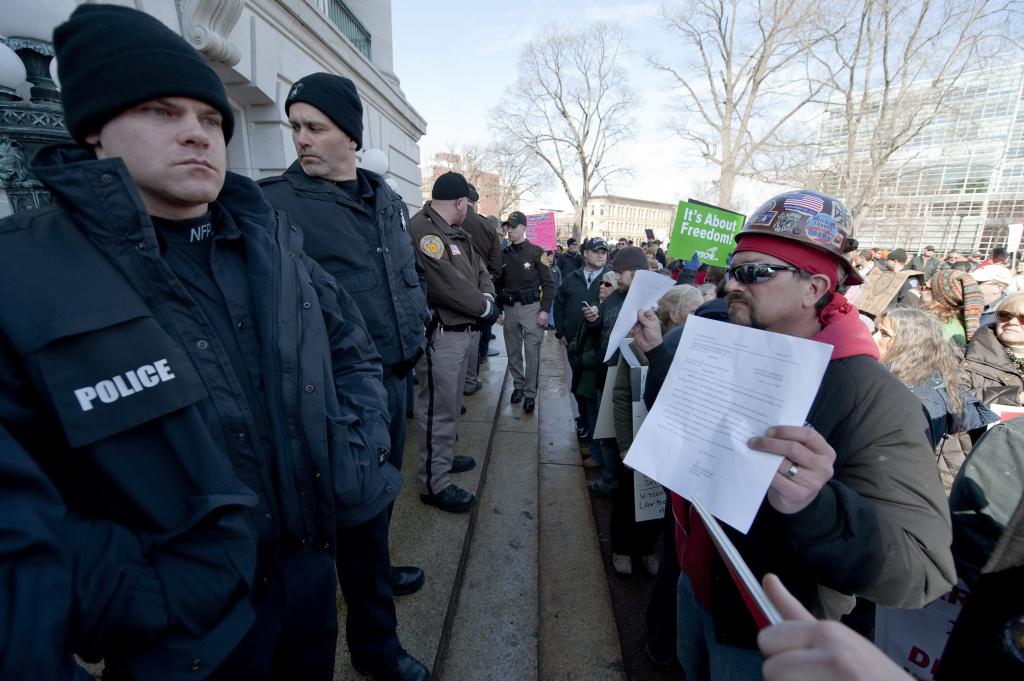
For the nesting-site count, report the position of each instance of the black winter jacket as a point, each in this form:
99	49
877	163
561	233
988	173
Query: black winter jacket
107	378
569	301
372	256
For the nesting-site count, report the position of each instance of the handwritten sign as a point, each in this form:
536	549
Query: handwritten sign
880	289
540	230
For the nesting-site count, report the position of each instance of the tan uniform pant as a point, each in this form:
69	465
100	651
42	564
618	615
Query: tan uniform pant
441	373
473	361
523	337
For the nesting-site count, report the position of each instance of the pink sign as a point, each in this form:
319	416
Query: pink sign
540	230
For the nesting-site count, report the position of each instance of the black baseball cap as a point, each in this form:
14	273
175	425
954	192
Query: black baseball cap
473	195
595	243
515	219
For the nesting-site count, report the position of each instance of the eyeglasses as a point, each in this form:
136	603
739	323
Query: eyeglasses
605	283
756	272
1003	316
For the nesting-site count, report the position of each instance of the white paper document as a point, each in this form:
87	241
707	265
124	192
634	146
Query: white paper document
645	291
727	384
604	426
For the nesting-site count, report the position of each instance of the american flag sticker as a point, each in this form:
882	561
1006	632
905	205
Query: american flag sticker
804	203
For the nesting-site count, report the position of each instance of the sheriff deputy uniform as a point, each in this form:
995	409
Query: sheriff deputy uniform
460	291
526	290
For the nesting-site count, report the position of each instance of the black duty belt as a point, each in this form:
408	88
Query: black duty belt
458	327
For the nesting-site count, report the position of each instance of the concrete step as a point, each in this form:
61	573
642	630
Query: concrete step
516	589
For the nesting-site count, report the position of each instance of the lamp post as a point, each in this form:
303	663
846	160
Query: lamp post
27	124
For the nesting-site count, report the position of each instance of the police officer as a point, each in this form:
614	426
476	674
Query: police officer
357	228
526	296
165	346
459	289
488	248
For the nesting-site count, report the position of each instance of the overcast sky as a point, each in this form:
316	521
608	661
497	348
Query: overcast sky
439	46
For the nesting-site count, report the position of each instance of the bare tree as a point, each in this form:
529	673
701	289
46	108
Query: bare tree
743	77
890	74
570	108
520	174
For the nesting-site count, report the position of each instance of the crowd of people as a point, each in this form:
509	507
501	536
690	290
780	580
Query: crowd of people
859	513
206	381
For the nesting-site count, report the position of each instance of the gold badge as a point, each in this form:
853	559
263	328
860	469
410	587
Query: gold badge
432	246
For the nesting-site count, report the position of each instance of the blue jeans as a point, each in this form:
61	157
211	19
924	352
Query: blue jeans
700	654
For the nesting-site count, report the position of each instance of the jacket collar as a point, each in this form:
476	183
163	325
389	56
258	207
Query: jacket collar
598	273
370	184
986	348
101	198
435	217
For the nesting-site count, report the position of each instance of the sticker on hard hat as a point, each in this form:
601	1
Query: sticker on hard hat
821	229
764	218
808	204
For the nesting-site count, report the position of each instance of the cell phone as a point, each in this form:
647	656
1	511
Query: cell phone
586	304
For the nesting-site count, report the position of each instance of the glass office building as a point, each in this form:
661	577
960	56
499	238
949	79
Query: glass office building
958	183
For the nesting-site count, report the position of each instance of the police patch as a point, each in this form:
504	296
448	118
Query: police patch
821	229
432	247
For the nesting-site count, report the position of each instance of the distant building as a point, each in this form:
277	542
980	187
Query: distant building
960	181
615	217
486	183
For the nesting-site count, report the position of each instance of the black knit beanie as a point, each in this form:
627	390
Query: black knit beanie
629	258
111	58
336	97
449	187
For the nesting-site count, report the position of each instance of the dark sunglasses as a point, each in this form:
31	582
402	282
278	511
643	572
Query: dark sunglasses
756	272
605	283
1004	316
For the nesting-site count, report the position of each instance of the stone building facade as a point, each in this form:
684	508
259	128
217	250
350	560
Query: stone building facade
259	48
615	217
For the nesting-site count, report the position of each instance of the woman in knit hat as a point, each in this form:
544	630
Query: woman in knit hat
957	302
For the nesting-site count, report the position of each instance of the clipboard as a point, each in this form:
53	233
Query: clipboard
762	610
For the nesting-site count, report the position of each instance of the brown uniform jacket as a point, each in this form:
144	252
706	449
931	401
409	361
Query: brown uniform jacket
456	276
485	240
524	270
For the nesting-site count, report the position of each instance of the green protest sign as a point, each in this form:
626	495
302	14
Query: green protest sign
705	230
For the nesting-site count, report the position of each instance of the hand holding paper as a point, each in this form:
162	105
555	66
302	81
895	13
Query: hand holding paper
748	381
645	291
805	468
646	332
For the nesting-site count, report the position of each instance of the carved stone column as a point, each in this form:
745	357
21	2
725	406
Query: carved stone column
206	25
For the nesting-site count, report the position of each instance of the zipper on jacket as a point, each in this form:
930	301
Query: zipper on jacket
301	431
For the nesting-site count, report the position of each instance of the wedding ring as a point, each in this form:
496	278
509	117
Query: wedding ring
791	473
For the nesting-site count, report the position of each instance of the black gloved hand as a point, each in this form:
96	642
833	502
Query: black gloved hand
491	313
402	369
